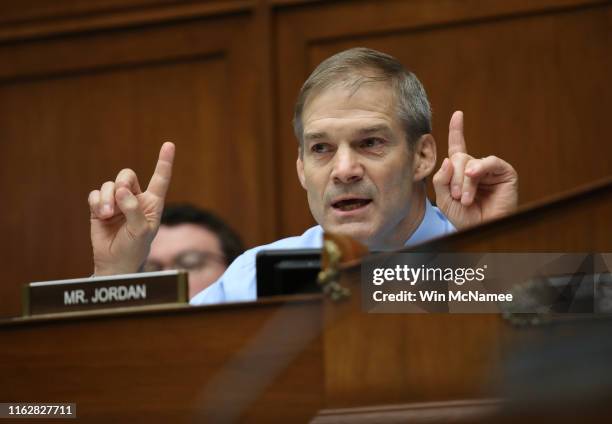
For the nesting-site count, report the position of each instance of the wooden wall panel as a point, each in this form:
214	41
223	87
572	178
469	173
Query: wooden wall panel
36	18
532	79
76	110
24	10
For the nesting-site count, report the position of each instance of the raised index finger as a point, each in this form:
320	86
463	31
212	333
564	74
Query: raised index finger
456	141
163	171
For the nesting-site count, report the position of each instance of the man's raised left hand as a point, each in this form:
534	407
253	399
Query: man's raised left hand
469	190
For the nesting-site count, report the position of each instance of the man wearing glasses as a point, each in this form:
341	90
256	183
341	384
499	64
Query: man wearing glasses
196	241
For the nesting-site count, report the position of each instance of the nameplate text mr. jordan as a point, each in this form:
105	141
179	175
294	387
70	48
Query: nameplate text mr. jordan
82	294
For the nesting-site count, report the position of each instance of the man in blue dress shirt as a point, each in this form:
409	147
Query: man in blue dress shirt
363	123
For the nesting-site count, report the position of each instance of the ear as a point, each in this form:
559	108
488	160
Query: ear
424	159
299	165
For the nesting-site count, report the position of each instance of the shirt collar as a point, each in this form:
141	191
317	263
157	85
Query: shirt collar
428	228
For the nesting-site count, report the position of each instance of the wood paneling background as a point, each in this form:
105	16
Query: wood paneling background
90	87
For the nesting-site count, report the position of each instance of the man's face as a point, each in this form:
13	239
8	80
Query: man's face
189	247
356	165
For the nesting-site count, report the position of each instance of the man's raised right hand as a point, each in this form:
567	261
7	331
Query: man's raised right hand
124	219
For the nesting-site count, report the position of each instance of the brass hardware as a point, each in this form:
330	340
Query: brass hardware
328	277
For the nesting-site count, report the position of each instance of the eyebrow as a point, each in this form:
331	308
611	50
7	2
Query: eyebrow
315	136
382	128
321	135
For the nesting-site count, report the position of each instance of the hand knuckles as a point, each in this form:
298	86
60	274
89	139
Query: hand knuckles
93	203
437	178
457	181
460	158
505	164
456	158
129	206
126	176
107	186
468	184
473	161
126	172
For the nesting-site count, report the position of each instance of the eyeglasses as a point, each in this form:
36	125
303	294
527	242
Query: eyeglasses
189	260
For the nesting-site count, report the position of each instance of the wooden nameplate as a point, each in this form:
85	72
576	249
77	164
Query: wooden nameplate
86	294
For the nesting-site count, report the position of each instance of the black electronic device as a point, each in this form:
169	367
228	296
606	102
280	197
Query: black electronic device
287	271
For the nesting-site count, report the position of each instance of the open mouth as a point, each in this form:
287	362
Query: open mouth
350	204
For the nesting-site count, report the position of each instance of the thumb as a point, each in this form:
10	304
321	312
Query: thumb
137	224
441	181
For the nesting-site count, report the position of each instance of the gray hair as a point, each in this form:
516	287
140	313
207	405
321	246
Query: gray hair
360	65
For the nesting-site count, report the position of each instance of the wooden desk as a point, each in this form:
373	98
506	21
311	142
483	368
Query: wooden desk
258	360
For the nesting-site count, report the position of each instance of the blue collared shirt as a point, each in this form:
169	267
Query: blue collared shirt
238	283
